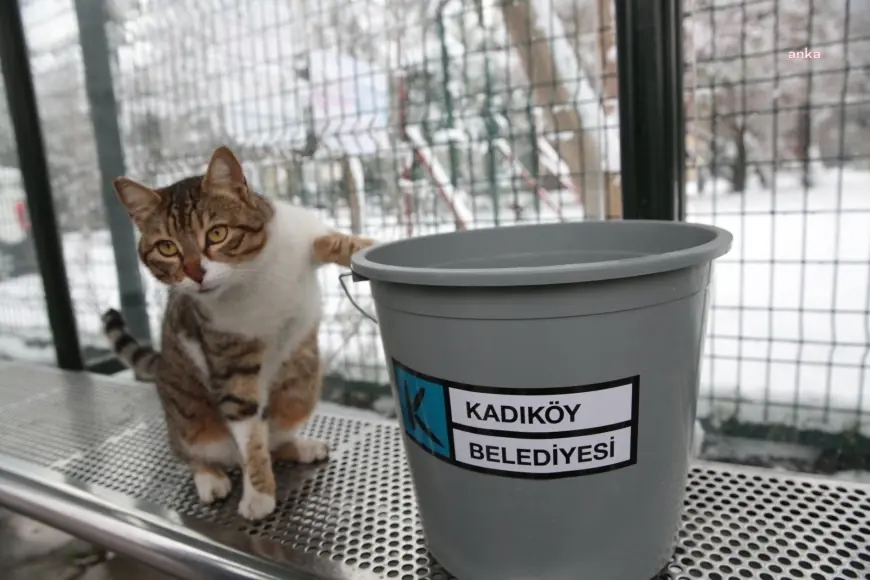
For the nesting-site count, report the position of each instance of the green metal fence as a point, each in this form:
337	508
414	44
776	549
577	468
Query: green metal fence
398	119
780	124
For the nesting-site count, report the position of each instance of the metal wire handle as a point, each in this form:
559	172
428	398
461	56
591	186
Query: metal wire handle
341	278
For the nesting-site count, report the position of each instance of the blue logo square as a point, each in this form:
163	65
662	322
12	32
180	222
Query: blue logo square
423	411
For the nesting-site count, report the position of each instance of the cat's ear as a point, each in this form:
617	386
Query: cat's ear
139	200
225	172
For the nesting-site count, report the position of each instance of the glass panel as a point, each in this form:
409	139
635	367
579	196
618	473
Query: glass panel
58	75
24	330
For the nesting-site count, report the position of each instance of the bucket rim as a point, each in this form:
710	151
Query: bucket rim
718	246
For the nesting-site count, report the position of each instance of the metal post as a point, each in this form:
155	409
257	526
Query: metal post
448	95
491	125
649	38
110	157
21	97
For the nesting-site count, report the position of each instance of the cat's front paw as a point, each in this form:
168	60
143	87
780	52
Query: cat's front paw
256	505
212	486
311	450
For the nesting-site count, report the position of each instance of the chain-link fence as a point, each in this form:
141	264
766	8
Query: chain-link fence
781	119
397	119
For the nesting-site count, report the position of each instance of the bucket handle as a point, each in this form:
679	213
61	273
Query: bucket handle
356	278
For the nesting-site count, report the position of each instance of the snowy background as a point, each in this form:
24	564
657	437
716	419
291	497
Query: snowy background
398	118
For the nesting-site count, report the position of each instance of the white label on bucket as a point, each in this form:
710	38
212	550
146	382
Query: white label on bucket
549	413
532	432
562	455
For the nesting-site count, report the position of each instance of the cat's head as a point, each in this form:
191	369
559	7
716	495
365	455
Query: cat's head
201	234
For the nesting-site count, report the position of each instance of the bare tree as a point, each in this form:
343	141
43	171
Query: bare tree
759	109
580	148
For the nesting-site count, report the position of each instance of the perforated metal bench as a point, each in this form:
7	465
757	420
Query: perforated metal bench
87	454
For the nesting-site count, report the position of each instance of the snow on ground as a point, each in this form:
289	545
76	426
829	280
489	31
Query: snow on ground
788	322
789	318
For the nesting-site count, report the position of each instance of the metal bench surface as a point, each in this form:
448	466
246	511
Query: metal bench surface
88	454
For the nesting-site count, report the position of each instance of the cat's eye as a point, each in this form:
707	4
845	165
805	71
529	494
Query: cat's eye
167	248
216	235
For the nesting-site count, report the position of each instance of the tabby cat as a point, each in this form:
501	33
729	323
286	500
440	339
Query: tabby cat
239	370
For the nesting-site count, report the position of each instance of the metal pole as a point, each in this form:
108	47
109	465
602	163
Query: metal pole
448	95
649	38
91	18
490	122
148	536
21	97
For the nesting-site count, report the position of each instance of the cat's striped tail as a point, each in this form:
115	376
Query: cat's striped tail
142	359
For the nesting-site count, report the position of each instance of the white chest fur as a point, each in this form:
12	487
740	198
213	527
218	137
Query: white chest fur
275	297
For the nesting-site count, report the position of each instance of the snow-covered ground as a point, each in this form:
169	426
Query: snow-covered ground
789	320
789	336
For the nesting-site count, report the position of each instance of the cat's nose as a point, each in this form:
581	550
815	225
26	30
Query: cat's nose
194	271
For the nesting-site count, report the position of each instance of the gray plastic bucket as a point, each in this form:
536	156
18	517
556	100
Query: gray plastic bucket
546	378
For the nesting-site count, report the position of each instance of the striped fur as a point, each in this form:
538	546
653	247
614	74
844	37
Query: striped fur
142	359
337	248
239	371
